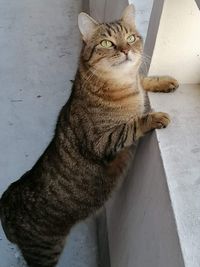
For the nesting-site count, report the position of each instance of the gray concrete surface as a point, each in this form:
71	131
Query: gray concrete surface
157	208
145	234
180	152
39	47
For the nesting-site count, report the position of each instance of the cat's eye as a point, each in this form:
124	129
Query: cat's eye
131	39
106	44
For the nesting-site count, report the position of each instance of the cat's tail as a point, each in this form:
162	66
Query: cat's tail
1	208
3	222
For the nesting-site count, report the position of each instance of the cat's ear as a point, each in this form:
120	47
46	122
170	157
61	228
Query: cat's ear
87	25
128	16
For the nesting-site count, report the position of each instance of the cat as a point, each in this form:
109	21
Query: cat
89	153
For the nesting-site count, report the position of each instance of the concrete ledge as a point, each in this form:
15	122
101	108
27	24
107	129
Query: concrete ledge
141	225
198	3
153	219
180	151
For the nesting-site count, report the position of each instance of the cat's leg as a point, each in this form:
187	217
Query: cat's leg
163	84
41	253
150	121
119	165
127	134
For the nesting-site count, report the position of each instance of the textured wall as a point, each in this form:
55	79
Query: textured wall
143	12
39	47
141	225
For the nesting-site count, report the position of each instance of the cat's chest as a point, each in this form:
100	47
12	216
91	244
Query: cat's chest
123	110
129	106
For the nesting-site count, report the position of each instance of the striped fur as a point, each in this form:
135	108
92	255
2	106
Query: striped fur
90	150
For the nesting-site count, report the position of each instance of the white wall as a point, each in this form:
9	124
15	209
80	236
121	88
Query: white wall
177	49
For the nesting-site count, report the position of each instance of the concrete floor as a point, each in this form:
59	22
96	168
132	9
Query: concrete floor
39	47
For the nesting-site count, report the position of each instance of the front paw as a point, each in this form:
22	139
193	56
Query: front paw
159	120
167	84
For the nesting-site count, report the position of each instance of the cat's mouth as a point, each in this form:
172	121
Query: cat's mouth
127	59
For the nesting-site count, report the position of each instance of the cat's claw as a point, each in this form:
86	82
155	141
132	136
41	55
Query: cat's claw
159	120
168	84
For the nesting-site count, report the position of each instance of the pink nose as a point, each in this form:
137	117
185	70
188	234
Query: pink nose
125	51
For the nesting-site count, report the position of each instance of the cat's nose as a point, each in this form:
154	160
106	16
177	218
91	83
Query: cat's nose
125	51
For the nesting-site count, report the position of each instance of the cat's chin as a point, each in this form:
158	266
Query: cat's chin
118	69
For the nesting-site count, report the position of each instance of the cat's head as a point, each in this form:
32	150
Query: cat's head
114	47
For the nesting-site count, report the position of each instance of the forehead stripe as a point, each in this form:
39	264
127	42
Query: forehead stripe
108	29
118	24
113	28
125	29
104	35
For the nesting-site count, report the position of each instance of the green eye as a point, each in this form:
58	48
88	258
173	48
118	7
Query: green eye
106	43
131	39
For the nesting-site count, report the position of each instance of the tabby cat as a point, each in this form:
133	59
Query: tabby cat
90	150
